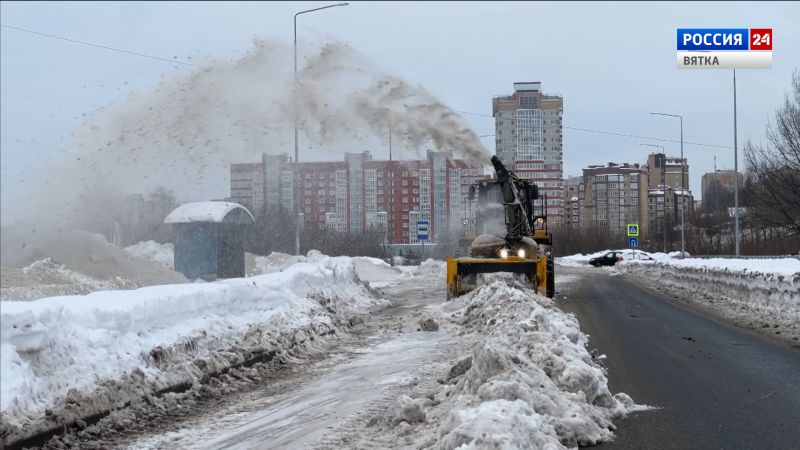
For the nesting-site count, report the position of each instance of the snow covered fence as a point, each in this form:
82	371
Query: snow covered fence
767	287
64	358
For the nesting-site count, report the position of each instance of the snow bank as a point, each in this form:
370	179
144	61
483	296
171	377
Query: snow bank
529	382
66	357
90	255
773	267
47	278
275	262
767	290
581	259
163	254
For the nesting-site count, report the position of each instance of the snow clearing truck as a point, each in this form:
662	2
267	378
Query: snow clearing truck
505	208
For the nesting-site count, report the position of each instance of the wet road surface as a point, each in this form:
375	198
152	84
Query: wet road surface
715	385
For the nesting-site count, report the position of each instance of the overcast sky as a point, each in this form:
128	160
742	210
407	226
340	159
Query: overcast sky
612	63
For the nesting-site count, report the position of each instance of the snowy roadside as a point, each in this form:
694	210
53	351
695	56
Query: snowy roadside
528	381
163	254
77	263
65	358
761	294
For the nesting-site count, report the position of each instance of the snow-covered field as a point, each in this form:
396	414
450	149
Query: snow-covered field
68	357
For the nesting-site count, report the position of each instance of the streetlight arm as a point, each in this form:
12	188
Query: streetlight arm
317	9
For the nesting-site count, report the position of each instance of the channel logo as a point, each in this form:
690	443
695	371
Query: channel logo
724	48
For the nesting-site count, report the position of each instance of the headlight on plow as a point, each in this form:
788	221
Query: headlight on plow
504	253
521	253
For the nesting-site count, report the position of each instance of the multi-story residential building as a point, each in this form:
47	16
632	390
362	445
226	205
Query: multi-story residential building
572	209
528	138
360	194
666	171
664	205
717	189
612	196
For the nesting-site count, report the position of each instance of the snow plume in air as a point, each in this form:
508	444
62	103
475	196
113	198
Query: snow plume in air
378	102
183	134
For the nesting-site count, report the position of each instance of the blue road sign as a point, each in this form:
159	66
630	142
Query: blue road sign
633	242
633	229
422	230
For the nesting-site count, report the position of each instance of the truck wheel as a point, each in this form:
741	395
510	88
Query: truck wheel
551	277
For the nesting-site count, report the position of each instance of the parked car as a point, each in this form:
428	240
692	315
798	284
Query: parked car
609	259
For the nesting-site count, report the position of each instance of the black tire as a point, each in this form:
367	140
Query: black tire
551	277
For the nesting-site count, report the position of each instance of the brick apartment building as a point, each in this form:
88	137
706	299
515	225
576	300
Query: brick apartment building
360	193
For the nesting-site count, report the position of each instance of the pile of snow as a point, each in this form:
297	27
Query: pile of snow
275	262
90	255
136	342
47	278
163	254
529	383
430	269
759	293
777	267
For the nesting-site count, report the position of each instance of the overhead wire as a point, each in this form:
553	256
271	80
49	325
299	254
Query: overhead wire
613	133
105	47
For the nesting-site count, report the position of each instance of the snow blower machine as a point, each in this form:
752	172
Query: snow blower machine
510	237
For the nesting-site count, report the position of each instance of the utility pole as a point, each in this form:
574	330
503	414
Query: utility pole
663	189
296	113
735	170
682	184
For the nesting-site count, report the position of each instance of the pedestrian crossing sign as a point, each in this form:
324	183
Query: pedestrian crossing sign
633	229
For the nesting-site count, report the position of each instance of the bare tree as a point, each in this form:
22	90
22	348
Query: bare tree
777	166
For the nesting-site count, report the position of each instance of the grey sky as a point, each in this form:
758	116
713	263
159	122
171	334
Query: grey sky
613	63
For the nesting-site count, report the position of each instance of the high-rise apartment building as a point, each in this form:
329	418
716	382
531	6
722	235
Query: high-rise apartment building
717	189
528	138
666	171
360	194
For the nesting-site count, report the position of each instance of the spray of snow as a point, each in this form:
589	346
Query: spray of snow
185	132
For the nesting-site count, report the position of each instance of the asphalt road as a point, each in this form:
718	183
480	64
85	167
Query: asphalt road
716	386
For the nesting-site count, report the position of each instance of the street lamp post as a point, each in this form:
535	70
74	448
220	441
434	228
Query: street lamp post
664	215
682	187
296	155
298	215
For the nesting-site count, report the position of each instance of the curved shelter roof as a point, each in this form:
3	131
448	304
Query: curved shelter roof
211	212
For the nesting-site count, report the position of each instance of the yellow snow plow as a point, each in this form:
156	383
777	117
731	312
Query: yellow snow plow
505	202
462	272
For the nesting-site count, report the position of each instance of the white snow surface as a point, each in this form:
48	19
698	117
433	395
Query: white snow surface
276	262
163	254
749	291
203	212
787	267
582	260
532	382
64	347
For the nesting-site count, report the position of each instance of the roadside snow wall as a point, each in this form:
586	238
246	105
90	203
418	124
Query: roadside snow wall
764	288
64	358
